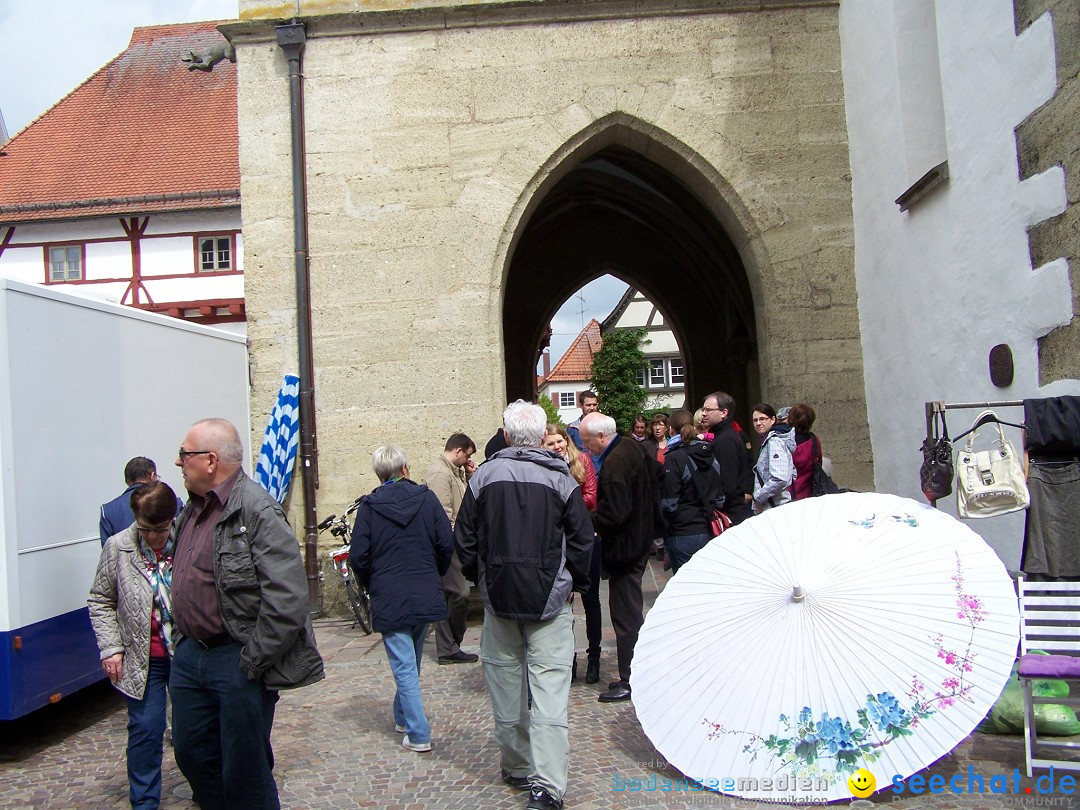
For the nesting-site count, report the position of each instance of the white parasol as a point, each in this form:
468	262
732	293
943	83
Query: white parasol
828	635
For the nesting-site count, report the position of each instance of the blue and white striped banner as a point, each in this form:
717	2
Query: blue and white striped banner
278	453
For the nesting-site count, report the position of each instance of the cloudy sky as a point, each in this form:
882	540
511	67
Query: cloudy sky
595	300
52	46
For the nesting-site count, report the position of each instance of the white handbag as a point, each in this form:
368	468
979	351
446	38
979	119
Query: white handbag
990	482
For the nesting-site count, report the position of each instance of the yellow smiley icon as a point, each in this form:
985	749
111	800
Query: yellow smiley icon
861	783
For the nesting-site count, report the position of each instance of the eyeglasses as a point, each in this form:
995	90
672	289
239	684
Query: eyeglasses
710	410
153	530
762	419
183	454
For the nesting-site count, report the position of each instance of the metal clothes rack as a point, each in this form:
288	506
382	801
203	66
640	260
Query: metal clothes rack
941	407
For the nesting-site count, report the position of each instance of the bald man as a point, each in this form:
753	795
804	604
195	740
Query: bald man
240	601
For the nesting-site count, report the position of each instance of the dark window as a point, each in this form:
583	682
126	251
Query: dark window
215	253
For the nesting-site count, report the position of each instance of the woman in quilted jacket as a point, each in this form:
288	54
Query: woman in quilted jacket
130	610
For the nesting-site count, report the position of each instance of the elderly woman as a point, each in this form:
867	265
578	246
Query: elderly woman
130	610
401	547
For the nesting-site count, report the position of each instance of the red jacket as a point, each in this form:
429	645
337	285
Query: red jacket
807	453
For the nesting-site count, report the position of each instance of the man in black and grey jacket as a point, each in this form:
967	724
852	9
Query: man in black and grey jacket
523	535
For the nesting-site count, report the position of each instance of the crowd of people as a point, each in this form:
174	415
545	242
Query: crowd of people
210	604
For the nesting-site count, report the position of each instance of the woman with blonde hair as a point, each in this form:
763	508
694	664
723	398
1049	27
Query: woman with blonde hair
581	468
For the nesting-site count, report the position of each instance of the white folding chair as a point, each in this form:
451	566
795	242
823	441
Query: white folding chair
1049	621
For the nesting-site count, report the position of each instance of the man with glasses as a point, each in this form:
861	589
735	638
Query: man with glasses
240	604
447	477
730	456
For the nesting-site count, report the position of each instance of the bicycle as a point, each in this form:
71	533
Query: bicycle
359	599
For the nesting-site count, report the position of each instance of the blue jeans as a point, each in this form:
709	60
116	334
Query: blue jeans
221	728
681	549
146	729
404	648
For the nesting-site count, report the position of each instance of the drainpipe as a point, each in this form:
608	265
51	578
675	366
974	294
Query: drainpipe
291	38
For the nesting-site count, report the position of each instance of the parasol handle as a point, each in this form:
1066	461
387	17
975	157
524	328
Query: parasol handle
798	594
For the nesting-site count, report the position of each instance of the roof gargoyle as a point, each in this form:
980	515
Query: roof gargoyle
205	60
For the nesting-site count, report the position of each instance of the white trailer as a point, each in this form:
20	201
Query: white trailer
85	386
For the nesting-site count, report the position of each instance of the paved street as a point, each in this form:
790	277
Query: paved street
336	747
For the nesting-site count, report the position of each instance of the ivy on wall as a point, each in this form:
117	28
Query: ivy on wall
614	376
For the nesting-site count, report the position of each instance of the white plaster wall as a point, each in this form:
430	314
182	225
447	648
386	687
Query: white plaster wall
940	285
194	222
661	342
107	260
23	264
568	415
68	230
167	255
203	286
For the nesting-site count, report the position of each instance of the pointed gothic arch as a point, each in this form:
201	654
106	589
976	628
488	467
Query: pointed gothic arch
635	205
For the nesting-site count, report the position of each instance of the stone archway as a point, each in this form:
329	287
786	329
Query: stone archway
618	211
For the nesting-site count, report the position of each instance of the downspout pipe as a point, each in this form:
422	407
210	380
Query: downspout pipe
291	38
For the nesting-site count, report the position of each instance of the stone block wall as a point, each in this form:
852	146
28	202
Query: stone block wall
1050	137
427	145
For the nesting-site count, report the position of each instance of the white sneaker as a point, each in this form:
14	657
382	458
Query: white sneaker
420	747
399	729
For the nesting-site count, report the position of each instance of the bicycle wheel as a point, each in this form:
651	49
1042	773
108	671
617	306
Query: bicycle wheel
360	603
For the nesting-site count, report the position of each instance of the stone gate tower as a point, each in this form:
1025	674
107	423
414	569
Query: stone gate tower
469	166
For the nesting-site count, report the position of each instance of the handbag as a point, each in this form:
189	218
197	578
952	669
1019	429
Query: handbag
936	472
990	482
821	483
720	522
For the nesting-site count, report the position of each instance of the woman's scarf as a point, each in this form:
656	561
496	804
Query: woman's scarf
159	572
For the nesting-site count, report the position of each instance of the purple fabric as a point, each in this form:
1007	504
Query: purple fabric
1049	666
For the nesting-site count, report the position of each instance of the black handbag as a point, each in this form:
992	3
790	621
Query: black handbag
936	472
821	483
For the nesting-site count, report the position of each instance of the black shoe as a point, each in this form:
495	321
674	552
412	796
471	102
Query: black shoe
540	799
592	671
615	695
615	684
460	657
519	782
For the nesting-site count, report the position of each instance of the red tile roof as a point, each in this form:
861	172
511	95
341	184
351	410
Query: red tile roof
144	133
576	363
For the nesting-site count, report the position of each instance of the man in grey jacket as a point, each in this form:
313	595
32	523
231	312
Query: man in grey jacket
240	603
523	535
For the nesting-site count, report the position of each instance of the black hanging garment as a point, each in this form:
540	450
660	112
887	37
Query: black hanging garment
1052	531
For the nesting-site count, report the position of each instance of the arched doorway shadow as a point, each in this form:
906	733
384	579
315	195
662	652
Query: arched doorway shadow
615	210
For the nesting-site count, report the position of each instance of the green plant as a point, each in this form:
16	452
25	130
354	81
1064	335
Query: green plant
551	411
614	376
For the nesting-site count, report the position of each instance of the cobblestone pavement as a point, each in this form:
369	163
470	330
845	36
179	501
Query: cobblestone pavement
335	745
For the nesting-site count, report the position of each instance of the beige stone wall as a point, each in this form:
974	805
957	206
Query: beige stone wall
426	149
1047	138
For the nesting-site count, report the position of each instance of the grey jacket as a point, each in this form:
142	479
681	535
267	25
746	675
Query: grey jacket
120	602
262	589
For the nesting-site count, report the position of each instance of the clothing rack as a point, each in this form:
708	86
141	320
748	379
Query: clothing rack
940	407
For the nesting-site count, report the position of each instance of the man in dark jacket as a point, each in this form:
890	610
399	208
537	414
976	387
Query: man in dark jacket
116	515
240	601
523	536
732	457
401	546
624	521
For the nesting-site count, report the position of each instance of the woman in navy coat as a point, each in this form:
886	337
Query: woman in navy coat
401	547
